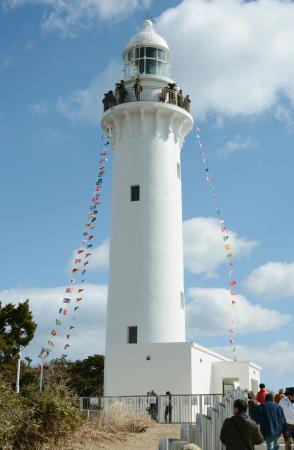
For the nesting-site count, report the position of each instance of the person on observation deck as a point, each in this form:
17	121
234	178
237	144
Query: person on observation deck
138	88
239	432
271	419
260	398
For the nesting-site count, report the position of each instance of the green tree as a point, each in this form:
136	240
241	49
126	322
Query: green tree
86	376
17	329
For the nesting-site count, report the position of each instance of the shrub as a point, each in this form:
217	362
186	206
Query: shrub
34	418
113	425
53	414
12	415
118	417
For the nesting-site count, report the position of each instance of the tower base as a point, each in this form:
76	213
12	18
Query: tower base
181	368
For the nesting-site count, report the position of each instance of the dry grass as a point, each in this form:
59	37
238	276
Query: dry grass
115	424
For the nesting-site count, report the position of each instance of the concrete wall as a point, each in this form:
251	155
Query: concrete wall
202	360
182	368
128	372
244	371
146	249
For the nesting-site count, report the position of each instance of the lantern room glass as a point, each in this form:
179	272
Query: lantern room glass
143	60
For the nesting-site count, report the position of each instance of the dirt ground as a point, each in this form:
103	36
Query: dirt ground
147	440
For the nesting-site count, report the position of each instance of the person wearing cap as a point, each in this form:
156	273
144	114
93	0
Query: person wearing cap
278	397
287	405
260	398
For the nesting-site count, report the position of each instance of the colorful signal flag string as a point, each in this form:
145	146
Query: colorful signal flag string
74	291
226	239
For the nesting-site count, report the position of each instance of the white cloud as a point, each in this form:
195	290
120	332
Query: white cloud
40	108
67	17
100	256
210	313
272	280
89	335
285	115
237	144
204	248
233	57
81	105
277	359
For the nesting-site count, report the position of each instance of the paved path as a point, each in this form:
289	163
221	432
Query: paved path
263	447
140	441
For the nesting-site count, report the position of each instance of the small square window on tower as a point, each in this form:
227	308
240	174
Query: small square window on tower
132	335
182	297
179	170
135	193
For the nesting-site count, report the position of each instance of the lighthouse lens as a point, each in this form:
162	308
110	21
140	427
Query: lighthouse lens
141	66
151	66
150	52
161	55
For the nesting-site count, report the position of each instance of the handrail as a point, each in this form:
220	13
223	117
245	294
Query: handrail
147	94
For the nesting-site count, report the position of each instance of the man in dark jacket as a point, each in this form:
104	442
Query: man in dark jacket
239	432
272	422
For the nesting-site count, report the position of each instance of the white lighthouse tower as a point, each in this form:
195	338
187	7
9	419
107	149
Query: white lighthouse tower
148	117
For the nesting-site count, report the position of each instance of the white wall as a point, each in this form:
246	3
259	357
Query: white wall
182	368
202	360
129	373
146	249
244	371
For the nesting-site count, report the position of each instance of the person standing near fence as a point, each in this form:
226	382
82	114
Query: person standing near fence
287	405
271	419
153	401
239	432
168	407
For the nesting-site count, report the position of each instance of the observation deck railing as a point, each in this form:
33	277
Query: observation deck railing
148	94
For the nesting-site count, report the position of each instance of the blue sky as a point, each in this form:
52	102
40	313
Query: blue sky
55	64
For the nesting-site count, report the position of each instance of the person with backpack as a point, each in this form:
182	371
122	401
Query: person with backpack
252	406
272	422
240	432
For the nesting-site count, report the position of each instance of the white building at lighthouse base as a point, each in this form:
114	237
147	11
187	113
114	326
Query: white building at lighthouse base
181	368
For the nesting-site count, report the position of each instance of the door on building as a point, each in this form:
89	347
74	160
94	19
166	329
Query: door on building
254	386
230	384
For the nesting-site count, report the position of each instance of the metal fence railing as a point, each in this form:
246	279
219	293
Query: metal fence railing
184	408
206	431
201	415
